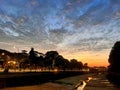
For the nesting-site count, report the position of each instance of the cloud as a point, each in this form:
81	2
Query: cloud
94	38
61	24
10	32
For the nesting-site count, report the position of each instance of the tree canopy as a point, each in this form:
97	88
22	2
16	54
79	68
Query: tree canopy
114	58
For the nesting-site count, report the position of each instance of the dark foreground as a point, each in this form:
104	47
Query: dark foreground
30	78
98	82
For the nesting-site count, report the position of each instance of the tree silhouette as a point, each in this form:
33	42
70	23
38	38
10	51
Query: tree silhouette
32	56
80	65
66	64
50	57
114	58
24	51
35	59
61	62
74	64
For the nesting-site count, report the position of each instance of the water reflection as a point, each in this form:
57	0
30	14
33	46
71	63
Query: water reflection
100	82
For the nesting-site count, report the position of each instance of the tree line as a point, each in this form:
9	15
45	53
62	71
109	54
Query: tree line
35	59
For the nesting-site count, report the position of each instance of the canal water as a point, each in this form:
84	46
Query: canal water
98	82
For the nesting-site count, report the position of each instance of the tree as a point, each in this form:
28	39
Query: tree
61	62
32	56
24	51
36	59
74	64
66	64
114	58
80	65
50	57
85	66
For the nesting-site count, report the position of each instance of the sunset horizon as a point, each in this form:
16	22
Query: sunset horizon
85	30
93	59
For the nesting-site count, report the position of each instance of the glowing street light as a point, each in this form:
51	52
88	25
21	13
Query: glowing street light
3	54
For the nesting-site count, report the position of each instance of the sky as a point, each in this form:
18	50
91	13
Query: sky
82	29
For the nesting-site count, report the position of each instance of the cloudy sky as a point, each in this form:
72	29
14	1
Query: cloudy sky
81	29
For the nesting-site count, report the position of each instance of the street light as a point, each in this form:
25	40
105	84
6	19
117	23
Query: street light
3	54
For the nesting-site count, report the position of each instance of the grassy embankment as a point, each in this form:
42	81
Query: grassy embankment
32	78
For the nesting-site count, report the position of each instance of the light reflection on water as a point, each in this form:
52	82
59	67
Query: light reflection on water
101	84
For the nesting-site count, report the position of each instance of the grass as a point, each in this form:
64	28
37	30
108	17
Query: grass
32	78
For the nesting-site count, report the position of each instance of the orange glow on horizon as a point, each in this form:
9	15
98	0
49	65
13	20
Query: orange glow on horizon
92	58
